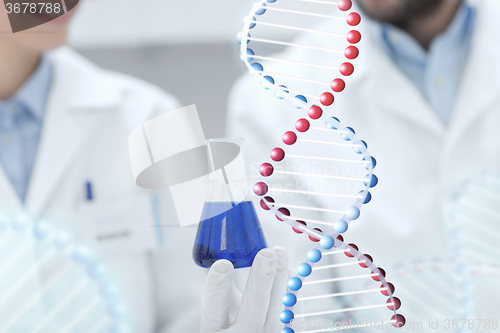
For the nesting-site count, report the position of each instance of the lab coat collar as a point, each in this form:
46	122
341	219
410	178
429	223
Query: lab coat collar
78	100
10	202
87	87
392	91
33	93
480	84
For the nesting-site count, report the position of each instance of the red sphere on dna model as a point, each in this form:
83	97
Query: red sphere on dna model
384	291
283	211
395	306
353	19
354	246
344	5
260	188
297	230
346	69
365	264
266	169
326	99
314	239
338	85
382	271
302	125
399	321
289	138
277	154
351	52
353	36
263	202
315	112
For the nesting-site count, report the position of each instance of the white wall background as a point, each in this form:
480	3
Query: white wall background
111	23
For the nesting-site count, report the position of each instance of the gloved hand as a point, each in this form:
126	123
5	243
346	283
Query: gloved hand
261	303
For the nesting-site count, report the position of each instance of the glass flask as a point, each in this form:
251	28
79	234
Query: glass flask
229	227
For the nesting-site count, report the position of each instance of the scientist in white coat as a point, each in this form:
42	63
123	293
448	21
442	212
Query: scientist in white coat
64	158
425	96
64	125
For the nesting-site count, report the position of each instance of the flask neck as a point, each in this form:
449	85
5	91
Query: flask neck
220	191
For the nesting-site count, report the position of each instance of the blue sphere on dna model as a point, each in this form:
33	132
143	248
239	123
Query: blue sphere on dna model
352	213
289	299
327	242
314	255
286	316
294	283
340	226
304	269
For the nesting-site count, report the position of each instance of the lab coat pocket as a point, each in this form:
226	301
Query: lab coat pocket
118	226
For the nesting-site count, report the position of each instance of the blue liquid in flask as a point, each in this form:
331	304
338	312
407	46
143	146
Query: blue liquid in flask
235	234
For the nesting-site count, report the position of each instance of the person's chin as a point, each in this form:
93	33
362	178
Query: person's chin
378	5
43	23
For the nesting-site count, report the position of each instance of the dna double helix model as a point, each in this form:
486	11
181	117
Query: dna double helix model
337	287
439	293
50	283
472	221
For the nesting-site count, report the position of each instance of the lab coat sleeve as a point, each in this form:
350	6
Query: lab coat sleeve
179	283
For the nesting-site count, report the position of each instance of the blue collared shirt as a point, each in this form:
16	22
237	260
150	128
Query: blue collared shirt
436	72
21	119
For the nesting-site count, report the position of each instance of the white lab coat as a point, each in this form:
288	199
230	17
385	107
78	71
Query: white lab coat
420	159
89	115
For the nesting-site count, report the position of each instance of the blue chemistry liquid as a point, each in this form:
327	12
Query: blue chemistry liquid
235	235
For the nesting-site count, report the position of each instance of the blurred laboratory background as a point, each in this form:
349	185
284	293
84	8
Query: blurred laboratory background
188	48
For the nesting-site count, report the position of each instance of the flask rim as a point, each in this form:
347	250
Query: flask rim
237	141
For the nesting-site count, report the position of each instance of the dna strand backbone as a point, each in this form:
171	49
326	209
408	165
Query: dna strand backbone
472	219
321	40
439	293
49	283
